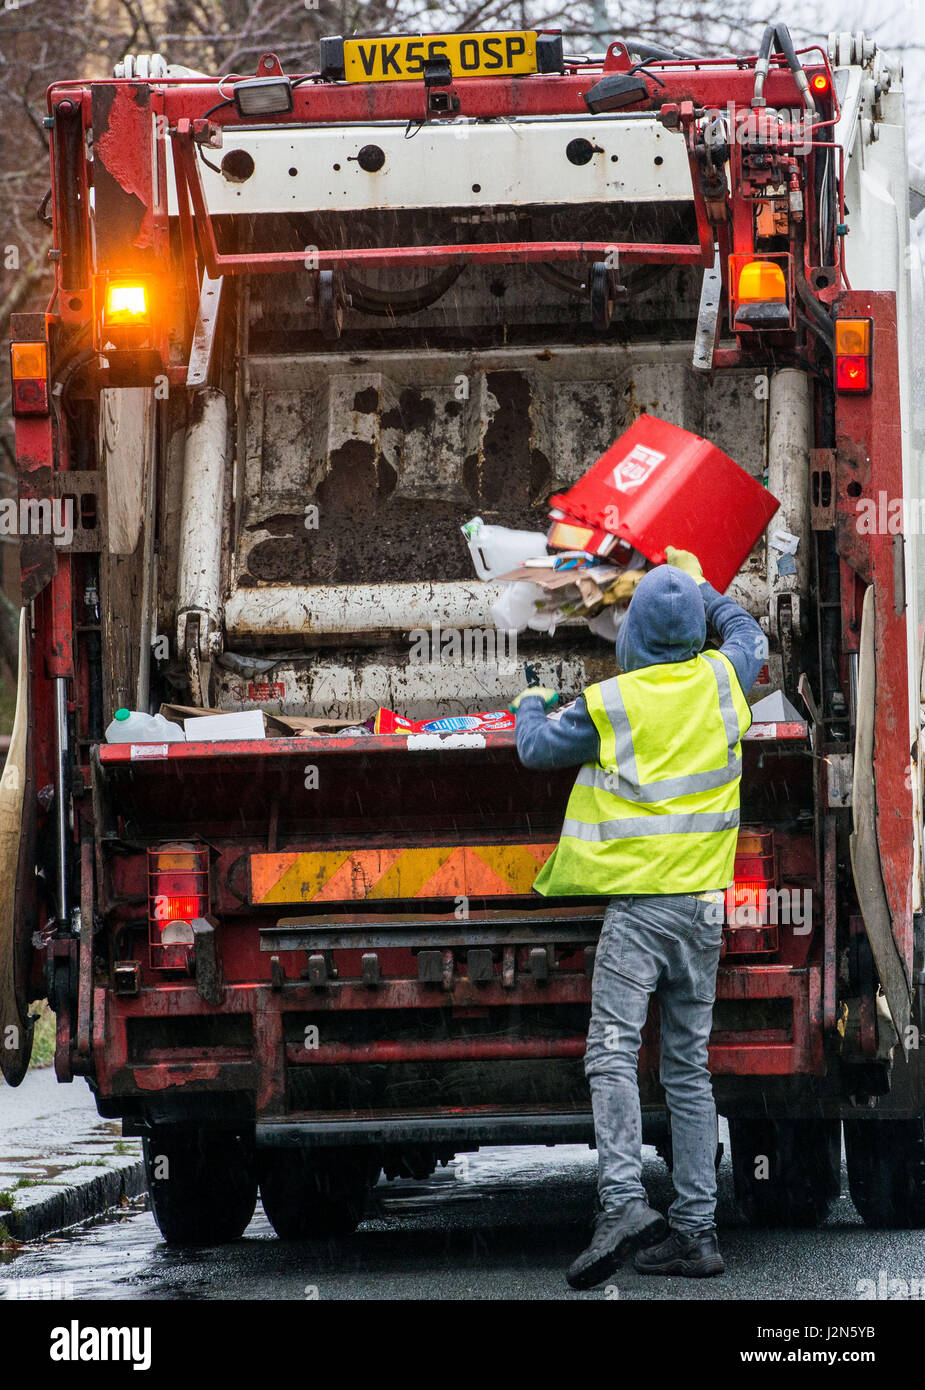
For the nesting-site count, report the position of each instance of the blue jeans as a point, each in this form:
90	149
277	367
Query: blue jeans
669	946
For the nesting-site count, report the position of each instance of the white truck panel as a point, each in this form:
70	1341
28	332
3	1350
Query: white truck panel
338	688
447	164
879	256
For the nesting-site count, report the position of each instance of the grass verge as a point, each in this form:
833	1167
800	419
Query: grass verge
43	1039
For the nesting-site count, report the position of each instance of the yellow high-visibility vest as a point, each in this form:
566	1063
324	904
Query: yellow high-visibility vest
660	812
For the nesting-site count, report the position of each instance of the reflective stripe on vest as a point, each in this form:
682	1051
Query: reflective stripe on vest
627	828
694	823
624	780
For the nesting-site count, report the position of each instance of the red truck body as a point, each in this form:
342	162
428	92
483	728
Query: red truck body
323	948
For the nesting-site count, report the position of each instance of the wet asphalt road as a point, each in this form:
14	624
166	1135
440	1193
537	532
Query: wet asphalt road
505	1224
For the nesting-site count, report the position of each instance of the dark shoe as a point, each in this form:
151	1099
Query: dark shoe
616	1233
694	1253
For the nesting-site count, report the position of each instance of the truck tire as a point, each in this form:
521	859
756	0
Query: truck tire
785	1172
203	1187
307	1197
886	1171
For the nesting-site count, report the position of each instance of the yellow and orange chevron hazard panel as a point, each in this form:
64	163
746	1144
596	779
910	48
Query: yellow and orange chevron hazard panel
437	871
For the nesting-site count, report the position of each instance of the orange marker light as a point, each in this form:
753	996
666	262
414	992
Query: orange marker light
30	361
852	337
180	859
29	370
820	83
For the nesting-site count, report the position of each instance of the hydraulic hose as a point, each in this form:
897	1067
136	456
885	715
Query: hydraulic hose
654	50
776	37
638	278
763	63
818	318
390	303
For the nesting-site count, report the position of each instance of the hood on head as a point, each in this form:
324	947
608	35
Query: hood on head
665	620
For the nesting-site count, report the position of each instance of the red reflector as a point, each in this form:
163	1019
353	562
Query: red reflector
30	397
852	374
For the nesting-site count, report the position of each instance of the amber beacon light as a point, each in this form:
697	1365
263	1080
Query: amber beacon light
126	304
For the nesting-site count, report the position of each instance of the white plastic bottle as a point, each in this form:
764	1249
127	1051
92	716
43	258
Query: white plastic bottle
497	549
130	726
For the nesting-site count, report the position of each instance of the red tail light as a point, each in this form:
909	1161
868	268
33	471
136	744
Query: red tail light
747	928
853	374
168	907
178	893
747	896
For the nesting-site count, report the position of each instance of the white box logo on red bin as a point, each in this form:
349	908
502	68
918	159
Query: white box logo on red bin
635	468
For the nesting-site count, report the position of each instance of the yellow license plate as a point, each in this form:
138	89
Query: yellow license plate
504	54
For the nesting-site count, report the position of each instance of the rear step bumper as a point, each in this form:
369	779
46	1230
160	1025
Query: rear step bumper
146	1049
494	1128
572	927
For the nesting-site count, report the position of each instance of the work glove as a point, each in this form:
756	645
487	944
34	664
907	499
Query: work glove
686	561
550	697
623	587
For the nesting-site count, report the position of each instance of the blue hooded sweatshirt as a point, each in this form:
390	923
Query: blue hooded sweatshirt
666	621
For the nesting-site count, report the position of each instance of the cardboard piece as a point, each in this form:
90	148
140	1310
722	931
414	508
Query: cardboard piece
552	579
297	724
177	713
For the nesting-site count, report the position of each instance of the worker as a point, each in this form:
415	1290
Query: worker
651	824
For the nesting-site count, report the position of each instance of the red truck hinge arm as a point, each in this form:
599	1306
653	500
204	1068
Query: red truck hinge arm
189	184
187	242
35	455
712	211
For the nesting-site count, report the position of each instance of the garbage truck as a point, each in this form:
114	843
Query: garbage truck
303	327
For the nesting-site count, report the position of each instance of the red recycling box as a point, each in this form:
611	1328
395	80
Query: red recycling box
660	485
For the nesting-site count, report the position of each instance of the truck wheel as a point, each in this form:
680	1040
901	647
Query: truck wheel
886	1171
307	1197
786	1172
203	1187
